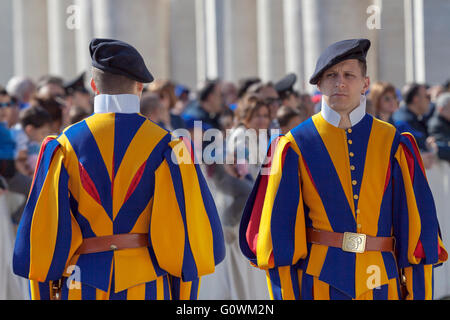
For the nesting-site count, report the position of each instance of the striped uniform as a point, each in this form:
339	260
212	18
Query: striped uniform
118	173
368	179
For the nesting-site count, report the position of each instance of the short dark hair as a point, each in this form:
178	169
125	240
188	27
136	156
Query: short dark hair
285	114
52	106
207	89
410	91
363	65
35	116
109	83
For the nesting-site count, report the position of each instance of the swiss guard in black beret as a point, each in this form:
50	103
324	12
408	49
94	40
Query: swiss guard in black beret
118	57
285	88
338	52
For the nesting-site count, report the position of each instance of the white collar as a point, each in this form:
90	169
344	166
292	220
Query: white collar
117	103
333	118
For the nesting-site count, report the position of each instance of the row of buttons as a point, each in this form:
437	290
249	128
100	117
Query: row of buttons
352	169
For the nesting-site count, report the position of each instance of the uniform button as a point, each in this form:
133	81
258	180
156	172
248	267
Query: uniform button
352	154
354	182
350	141
355	197
352	167
349	130
358	211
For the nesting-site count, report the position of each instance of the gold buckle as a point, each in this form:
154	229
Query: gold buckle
354	242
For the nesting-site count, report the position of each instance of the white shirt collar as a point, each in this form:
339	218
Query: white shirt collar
119	103
333	118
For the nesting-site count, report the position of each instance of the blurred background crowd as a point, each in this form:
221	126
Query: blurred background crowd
30	111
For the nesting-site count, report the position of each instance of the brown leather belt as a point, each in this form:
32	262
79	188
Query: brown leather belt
350	242
114	242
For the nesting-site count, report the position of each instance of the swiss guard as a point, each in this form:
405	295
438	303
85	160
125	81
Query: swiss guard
118	209
342	210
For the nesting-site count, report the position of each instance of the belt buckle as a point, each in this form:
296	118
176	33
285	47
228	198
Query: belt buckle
354	242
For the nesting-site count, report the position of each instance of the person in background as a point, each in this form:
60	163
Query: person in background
229	93
55	108
410	117
384	100
183	95
267	93
78	95
151	107
285	89
23	89
50	86
288	118
439	126
168	99
36	123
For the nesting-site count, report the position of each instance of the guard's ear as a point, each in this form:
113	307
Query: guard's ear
366	85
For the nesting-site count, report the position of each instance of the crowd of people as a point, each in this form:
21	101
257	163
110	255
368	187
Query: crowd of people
30	111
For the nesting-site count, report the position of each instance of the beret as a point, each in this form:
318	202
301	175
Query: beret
118	57
338	52
286	84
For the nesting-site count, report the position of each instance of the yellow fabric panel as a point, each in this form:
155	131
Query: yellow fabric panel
136	292
136	265
316	259
409	282
44	226
264	245
336	143
160	288
312	199
269	285
77	237
286	283
414	217
301	249
98	219
321	290
185	290
428	273
102	128
167	228
143	143
197	221
369	269
34	290
75	291
143	222
373	181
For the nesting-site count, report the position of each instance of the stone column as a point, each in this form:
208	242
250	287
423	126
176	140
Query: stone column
83	36
270	40
30	38
240	47
6	38
292	12
391	43
142	23
206	39
436	41
62	22
183	54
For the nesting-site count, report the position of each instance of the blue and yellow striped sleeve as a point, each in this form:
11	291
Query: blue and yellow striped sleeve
48	234
419	245
185	229
272	231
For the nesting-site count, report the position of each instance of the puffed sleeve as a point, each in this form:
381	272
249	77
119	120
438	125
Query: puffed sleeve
272	232
419	246
185	229
48	235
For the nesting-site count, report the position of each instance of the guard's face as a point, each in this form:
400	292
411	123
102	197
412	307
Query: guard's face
343	84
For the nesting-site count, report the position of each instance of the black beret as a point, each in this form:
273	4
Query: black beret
338	52
286	84
76	84
118	57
